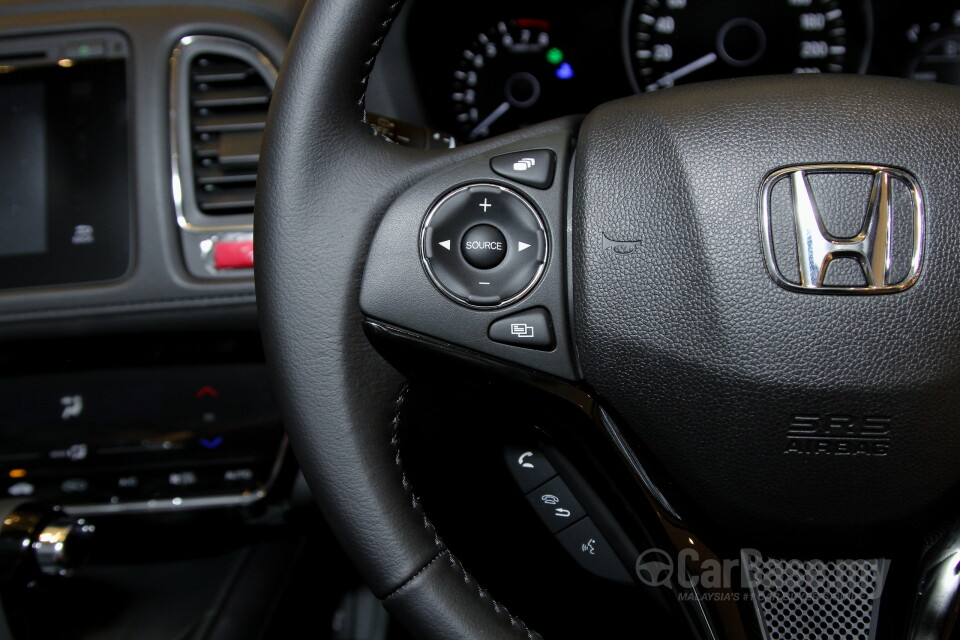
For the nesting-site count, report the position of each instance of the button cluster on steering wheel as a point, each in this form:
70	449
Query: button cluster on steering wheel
484	245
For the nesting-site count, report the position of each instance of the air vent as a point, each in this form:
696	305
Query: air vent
220	95
228	103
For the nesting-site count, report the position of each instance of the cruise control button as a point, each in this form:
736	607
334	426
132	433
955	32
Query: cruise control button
555	504
528	466
584	542
484	246
533	168
532	328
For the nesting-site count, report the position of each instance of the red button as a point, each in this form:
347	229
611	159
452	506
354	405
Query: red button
233	255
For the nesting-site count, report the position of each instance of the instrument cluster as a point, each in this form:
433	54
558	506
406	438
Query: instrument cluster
502	65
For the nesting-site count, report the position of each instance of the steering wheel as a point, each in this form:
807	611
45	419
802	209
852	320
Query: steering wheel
796	383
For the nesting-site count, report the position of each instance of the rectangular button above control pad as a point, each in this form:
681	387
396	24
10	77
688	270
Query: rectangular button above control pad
534	168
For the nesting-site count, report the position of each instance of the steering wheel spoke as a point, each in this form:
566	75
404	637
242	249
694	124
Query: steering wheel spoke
475	255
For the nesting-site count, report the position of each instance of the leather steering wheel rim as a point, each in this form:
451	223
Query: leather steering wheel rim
325	179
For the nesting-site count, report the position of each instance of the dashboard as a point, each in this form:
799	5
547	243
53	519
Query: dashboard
503	65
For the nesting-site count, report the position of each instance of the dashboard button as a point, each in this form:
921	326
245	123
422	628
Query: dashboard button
182	478
555	504
533	168
233	255
127	482
532	328
528	466
243	475
21	489
74	485
483	246
584	542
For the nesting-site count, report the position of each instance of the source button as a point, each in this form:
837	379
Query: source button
484	246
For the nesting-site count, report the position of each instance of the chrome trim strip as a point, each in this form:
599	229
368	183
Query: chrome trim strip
180	157
614	434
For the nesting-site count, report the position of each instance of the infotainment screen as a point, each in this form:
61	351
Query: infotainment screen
64	171
23	191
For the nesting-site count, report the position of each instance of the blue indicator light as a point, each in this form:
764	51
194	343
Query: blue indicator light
564	71
212	443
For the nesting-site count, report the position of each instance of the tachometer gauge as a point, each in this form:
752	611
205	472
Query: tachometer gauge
512	75
668	42
936	48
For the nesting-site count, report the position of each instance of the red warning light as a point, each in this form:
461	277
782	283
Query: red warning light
533	23
207	391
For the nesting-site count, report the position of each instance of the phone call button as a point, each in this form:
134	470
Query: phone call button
528	466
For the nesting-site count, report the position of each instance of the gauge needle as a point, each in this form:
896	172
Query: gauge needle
668	79
484	127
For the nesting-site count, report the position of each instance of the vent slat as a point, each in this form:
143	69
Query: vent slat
240	150
209	148
216	122
207	175
208	69
229	101
222	200
233	97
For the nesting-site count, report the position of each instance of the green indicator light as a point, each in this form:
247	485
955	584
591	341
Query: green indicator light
554	56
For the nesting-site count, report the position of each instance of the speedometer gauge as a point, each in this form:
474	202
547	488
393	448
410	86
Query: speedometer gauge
668	42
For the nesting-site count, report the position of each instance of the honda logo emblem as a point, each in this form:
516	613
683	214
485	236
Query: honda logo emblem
872	247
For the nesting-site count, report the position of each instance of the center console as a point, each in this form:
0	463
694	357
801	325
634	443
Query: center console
135	410
196	427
